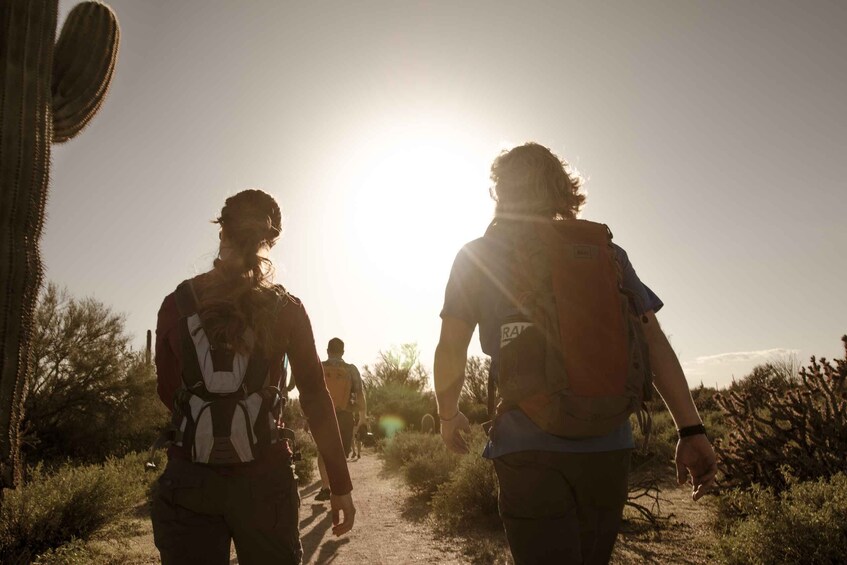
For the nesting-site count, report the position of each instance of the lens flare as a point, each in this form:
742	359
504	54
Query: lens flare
391	424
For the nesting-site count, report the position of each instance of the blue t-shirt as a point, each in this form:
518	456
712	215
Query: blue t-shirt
476	293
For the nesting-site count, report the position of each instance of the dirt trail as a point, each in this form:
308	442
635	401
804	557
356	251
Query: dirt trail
382	534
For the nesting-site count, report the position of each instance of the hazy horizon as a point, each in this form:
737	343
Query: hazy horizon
712	135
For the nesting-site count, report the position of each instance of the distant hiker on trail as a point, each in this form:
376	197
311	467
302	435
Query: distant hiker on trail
345	387
573	334
362	437
220	342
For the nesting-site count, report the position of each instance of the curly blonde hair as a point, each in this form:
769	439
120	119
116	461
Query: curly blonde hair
531	182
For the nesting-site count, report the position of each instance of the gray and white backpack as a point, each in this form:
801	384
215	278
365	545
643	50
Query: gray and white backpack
227	409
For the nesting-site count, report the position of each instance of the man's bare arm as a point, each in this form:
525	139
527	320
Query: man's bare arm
449	373
694	454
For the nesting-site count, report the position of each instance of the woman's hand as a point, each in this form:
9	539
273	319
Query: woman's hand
342	504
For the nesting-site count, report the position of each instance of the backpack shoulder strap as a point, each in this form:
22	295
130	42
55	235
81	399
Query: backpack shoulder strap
186	303
186	299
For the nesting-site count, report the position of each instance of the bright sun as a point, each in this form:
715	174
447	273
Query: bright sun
416	196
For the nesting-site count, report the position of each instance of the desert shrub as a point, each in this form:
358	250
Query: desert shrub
398	407
422	459
72	503
403	447
425	472
704	398
292	415
780	374
805	524
778	421
716	424
74	552
395	387
305	467
469	497
473	400
475	413
90	396
661	443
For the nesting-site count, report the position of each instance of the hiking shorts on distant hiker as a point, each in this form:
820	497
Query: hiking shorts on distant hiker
562	508
345	426
197	511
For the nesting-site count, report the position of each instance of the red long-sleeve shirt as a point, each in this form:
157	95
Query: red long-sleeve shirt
295	329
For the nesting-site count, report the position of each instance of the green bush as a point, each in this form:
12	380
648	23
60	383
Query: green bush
469	498
473	400
305	467
422	459
90	396
716	424
397	407
805	524
395	387
426	472
660	446
292	415
476	413
399	450
704	398
72	503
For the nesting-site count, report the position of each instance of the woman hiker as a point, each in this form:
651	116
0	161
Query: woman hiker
220	342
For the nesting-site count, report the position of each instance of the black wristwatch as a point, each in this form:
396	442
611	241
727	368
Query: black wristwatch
688	431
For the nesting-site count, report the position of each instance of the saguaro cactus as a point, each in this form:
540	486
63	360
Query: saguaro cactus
48	93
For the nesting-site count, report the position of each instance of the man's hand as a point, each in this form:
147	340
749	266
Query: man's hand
695	457
451	433
342	504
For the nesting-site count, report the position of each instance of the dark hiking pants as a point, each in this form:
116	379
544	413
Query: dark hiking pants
196	511
562	508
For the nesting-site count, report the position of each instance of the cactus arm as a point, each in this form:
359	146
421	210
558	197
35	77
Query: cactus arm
84	64
27	30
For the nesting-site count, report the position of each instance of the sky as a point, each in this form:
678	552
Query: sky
713	136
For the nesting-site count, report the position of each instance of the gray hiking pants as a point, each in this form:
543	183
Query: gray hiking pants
197	511
562	508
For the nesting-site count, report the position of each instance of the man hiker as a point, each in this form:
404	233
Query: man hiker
345	387
577	348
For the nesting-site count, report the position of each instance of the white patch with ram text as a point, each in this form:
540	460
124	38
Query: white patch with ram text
510	331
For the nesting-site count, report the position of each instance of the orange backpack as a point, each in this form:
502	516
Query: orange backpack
339	382
573	356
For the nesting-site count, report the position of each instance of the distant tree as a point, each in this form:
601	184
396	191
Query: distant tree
396	388
89	395
781	374
398	365
475	389
473	400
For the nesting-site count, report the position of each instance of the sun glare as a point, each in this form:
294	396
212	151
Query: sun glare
415	197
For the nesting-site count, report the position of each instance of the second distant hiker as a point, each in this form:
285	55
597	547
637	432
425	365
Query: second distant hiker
345	387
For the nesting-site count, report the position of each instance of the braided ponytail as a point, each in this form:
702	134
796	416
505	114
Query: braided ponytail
240	293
